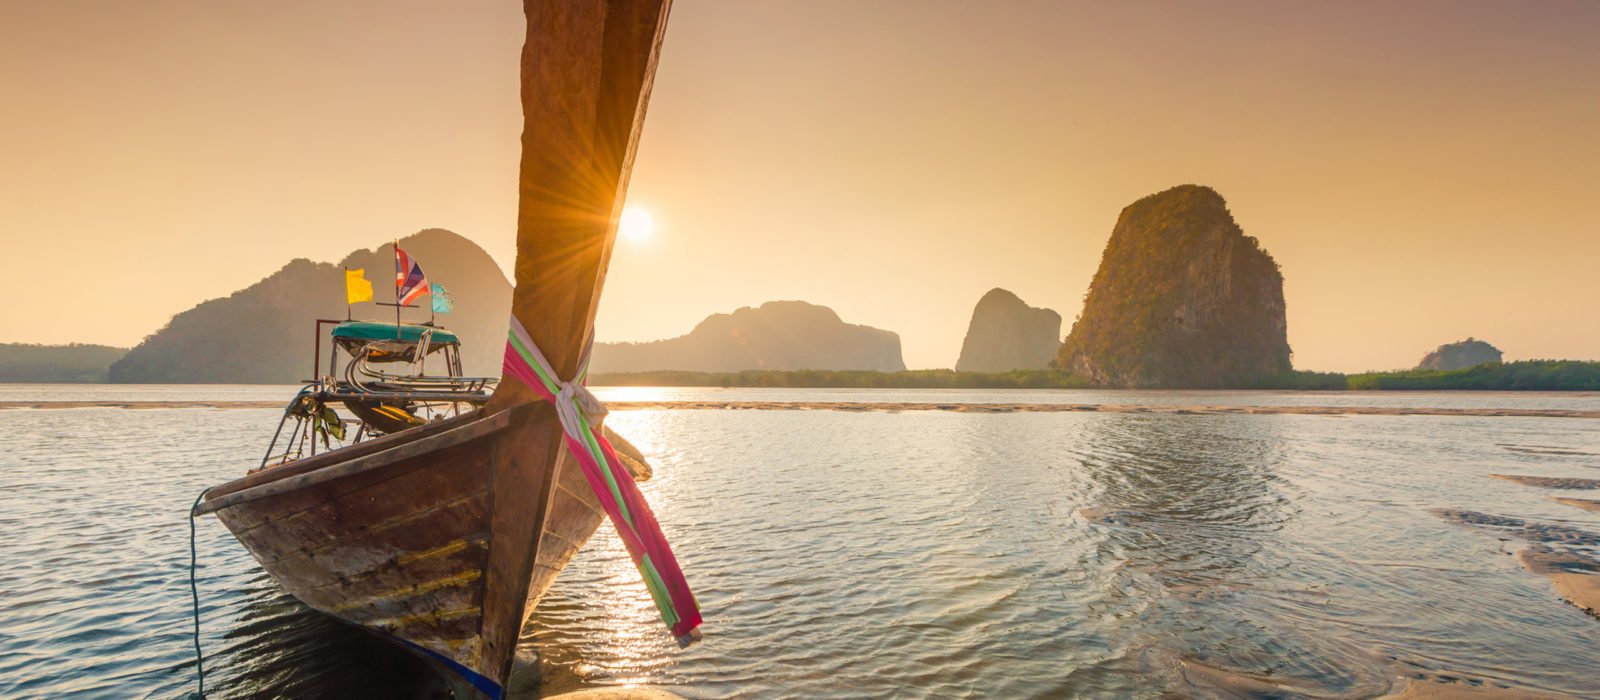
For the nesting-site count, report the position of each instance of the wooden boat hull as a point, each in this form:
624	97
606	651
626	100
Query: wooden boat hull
395	534
445	535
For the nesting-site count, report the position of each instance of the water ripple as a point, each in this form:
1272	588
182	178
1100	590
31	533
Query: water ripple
871	555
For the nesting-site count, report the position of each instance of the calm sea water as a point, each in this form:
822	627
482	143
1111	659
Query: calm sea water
870	554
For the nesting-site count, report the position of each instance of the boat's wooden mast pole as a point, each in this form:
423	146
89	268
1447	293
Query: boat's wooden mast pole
586	74
587	68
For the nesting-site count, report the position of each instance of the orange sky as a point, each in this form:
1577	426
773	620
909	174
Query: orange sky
1421	171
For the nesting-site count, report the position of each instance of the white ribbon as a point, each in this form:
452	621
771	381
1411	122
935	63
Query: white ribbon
574	401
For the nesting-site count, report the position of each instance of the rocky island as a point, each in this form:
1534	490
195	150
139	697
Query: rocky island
264	333
1467	353
1182	298
1006	334
778	335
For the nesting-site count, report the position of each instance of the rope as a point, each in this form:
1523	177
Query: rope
581	415
194	591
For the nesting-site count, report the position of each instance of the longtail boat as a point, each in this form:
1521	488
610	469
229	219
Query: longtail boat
443	534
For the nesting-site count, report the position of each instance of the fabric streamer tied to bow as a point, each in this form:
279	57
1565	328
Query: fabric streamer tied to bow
581	415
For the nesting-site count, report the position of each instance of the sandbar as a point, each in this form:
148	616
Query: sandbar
1588	504
1576	578
1550	482
1429	690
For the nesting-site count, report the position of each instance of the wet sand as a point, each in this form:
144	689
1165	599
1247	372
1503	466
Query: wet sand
1546	450
1538	533
1576	578
1429	690
1551	482
1590	505
1225	683
895	406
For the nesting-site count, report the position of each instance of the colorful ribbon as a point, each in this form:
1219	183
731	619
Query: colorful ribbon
581	415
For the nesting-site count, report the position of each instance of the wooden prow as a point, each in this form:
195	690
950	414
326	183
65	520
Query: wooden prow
587	68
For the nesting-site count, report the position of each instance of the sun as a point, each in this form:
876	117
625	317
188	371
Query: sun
636	225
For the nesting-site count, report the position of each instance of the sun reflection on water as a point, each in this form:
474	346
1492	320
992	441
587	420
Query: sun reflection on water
599	625
635	393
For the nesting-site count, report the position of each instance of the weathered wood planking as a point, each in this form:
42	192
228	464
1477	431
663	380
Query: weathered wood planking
400	548
386	508
304	534
574	509
397	452
401	545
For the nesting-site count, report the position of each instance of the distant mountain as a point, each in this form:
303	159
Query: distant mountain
1007	334
1183	298
24	363
264	334
779	335
1467	353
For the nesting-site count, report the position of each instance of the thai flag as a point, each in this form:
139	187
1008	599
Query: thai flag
409	282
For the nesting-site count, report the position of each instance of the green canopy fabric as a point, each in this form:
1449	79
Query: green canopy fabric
409	333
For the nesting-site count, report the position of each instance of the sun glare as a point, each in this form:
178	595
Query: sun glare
636	225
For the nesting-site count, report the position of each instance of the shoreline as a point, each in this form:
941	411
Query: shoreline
1576	579
901	406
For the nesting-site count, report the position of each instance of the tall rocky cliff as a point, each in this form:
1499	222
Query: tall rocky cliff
264	334
779	335
1006	334
1467	353
1183	298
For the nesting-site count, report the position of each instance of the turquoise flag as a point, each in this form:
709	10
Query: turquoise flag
441	300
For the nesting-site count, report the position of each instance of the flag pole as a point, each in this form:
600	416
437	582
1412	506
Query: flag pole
346	292
397	277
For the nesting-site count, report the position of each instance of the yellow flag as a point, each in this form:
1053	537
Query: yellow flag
356	286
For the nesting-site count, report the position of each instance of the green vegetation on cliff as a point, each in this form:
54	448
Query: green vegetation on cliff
24	363
1527	375
1460	355
1182	299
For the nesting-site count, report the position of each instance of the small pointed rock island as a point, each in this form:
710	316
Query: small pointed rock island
1183	298
1006	334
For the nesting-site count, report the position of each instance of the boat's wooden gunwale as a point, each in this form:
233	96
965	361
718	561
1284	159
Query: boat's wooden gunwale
632	456
314	462
399	451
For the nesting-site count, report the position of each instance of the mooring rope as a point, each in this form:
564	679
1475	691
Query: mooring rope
194	591
581	415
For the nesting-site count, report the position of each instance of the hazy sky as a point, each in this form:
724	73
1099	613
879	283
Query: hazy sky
1423	171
